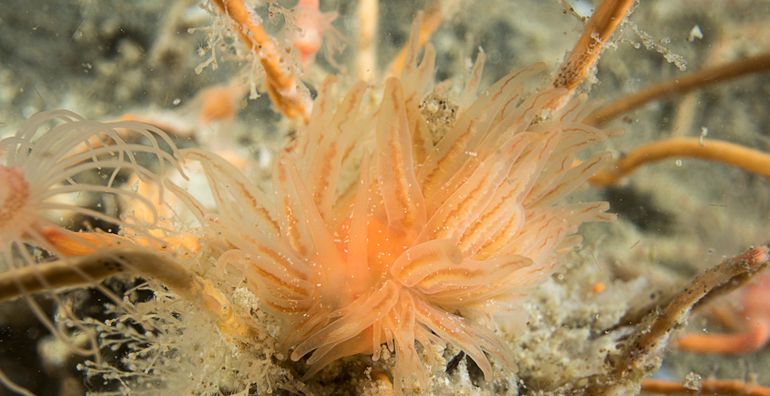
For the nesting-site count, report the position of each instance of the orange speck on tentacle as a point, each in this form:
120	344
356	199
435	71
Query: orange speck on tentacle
598	287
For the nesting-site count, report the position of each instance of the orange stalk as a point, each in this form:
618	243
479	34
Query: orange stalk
707	387
680	85
713	150
282	85
603	23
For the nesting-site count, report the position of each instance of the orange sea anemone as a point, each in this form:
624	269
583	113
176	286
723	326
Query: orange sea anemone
412	222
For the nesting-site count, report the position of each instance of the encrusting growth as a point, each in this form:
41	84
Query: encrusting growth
751	333
644	348
375	235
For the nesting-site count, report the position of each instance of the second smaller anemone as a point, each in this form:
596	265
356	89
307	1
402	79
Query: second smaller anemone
51	162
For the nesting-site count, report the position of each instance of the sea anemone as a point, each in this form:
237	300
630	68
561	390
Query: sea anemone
47	168
54	159
412	222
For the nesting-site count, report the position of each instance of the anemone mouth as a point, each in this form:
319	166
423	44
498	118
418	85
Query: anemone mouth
14	191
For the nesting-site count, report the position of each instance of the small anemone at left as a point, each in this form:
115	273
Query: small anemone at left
56	159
